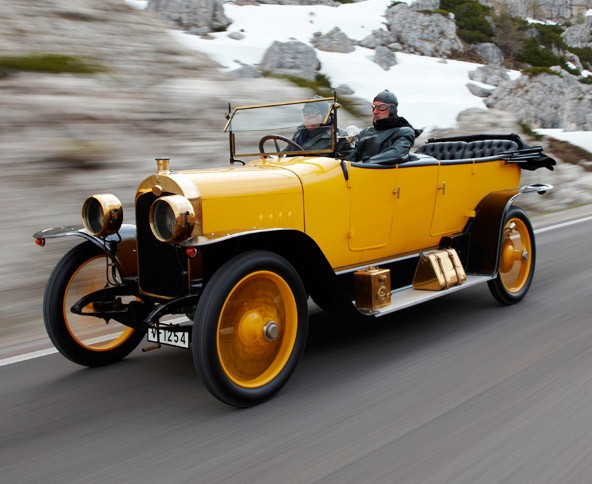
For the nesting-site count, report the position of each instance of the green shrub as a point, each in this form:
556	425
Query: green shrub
471	20
585	56
529	131
444	13
573	71
53	63
536	55
538	70
550	36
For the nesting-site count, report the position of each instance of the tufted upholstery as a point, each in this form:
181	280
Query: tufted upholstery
448	150
480	149
461	150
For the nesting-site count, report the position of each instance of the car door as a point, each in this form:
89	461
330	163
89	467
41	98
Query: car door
416	191
372	197
452	210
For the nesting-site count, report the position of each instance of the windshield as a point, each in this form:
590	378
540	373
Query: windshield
298	127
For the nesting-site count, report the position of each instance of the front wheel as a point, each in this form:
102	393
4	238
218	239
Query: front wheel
516	259
85	340
250	328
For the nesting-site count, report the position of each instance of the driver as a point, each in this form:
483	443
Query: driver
389	138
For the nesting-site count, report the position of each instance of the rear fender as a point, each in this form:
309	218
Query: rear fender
124	242
486	228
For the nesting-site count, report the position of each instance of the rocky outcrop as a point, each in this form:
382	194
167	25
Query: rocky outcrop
384	57
380	37
421	5
333	41
579	35
492	75
558	11
546	101
291	58
417	31
489	52
479	91
195	16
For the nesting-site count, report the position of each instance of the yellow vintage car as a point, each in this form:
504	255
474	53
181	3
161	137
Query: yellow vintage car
223	261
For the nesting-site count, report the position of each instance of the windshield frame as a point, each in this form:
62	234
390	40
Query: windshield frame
248	119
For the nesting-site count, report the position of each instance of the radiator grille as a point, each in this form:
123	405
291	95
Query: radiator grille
162	268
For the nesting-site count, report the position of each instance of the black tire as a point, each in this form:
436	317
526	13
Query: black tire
517	259
235	352
85	340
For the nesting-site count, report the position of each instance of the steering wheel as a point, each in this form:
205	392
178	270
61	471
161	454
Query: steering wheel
276	138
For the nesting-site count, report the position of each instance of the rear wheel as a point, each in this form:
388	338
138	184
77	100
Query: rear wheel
516	259
85	340
250	328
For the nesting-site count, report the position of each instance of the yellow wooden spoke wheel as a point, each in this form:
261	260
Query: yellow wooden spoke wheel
86	340
517	258
250	328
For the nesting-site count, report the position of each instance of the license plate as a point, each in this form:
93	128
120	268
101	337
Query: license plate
168	337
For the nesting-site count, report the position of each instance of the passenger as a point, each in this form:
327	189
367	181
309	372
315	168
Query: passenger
389	138
312	134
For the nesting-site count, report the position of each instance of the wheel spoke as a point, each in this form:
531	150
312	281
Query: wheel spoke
89	332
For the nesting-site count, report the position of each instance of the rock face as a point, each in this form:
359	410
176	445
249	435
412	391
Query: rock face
546	101
558	11
416	31
292	59
333	41
579	35
197	16
384	57
492	75
490	53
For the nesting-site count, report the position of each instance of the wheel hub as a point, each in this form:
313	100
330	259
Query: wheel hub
254	331
270	331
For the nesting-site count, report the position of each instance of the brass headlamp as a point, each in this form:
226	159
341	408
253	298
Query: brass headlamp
102	214
172	218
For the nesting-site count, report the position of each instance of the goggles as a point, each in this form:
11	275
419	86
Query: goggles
381	106
311	113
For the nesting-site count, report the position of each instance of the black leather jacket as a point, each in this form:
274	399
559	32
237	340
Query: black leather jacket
386	142
315	139
320	139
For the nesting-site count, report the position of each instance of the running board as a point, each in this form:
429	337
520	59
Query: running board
407	296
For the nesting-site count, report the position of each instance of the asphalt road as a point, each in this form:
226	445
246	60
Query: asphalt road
458	390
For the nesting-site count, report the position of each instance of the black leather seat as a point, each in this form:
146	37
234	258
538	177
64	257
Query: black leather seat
447	150
461	150
482	149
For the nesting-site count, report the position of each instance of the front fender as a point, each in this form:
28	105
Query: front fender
124	239
486	227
